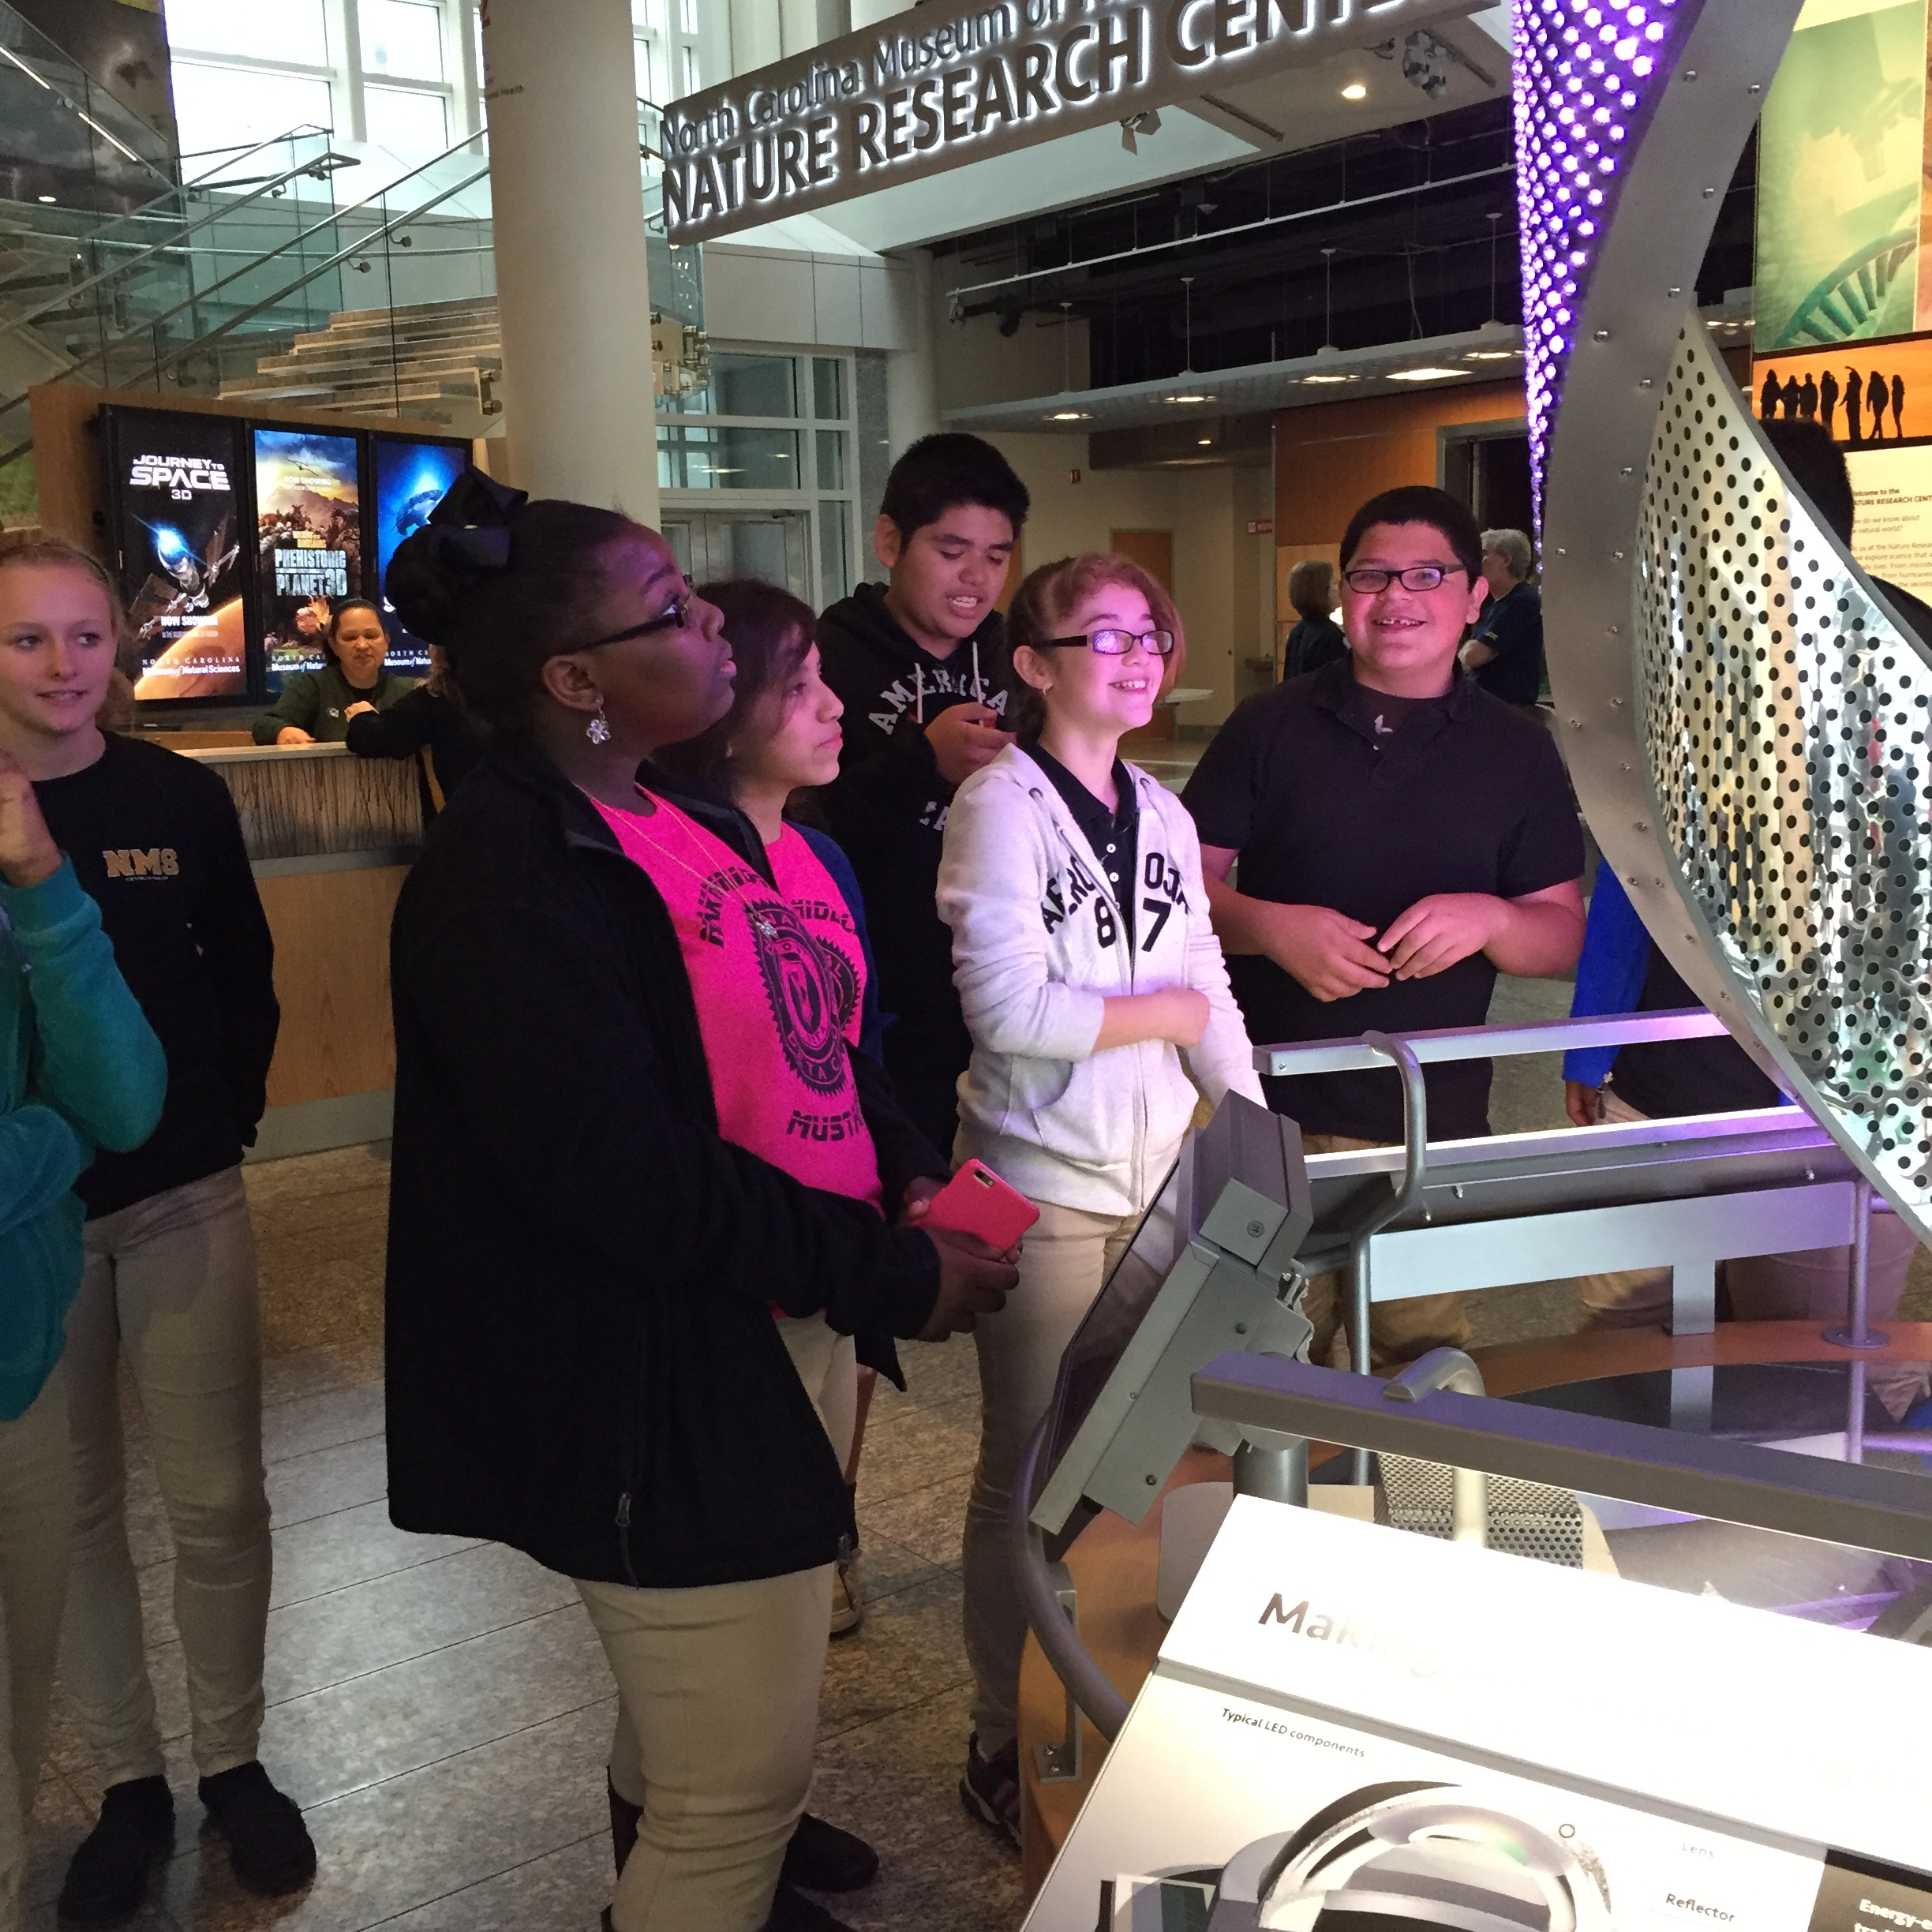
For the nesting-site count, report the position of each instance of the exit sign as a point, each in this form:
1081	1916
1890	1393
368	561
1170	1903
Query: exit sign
1260	526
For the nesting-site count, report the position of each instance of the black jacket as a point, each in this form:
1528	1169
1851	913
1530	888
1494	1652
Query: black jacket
318	701
888	807
154	840
582	1358
1313	643
419	720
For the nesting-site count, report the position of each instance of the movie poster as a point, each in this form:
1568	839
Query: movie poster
411	478
177	529
309	543
1841	148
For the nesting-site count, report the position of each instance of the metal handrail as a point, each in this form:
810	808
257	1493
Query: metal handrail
269	185
342	255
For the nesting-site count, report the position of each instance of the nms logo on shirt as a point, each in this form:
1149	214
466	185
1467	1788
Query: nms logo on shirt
156	862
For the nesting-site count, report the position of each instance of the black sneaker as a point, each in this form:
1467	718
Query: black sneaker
792	1912
990	1787
823	1857
107	1879
268	1844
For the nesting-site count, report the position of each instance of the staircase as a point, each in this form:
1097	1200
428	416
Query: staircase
440	362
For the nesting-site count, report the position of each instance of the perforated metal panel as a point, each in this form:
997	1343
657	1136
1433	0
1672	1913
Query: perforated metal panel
1785	718
1525	1518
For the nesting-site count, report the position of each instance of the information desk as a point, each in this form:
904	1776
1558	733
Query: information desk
330	837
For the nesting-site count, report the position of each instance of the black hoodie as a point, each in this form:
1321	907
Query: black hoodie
888	810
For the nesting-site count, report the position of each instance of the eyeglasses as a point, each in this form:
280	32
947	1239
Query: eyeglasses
1111	643
674	616
1417	577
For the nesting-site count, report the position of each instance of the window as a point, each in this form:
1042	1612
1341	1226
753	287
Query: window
776	432
405	122
291	32
403	38
231	107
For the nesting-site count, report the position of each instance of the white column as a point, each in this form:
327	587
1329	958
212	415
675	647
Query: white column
912	371
572	290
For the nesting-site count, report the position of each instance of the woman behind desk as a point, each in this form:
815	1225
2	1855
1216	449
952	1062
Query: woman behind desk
315	706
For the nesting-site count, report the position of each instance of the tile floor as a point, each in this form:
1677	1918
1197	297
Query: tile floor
440	1708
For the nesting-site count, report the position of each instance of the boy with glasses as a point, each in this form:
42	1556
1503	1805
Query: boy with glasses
1402	837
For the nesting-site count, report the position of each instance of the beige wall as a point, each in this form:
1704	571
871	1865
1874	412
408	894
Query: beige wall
1223	578
977	364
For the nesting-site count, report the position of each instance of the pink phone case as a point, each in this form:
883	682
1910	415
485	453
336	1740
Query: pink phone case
977	1201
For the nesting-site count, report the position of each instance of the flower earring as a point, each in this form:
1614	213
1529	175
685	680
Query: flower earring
598	730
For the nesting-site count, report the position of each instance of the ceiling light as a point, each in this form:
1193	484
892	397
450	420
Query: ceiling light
1491	355
1424	375
1207	442
1355	91
1070	415
1329	378
1190	395
46	197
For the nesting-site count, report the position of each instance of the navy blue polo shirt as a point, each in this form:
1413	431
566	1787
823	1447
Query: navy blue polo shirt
1512	627
1464	794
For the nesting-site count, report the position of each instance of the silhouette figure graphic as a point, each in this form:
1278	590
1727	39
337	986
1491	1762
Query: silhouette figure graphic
1898	405
1807	401
1827	400
1875	399
1855	407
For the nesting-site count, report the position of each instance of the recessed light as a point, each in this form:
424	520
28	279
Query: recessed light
1070	415
46	197
1492	355
1329	378
1190	395
1354	91
1207	442
1424	375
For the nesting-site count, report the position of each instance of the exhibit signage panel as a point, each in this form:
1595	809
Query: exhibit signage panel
955	80
1349	1724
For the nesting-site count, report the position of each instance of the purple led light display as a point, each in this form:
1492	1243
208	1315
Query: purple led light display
1588	75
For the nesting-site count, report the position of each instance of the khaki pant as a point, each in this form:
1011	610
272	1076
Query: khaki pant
829	1370
1066	1257
1809	1285
718	1712
36	1512
170	1286
1398	1331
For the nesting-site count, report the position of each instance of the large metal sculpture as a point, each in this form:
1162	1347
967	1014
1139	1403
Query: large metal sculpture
1747	722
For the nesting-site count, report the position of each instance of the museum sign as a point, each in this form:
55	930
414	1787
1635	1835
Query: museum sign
948	82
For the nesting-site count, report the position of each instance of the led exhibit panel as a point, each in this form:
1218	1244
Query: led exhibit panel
172	483
309	542
411	478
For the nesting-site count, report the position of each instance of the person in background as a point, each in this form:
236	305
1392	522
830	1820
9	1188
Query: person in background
426	724
921	666
80	1069
315	706
1403	838
1506	649
1316	639
617	1050
168	1287
1099	1006
781	737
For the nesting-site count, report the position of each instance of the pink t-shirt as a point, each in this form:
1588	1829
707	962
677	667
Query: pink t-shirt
778	978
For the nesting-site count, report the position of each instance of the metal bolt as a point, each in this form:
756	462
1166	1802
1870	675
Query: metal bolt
1603	336
1627	470
1257	1229
1675	293
1755	88
1240	1327
1576	724
1616	704
1646	384
1153	1482
1708	193
1690	73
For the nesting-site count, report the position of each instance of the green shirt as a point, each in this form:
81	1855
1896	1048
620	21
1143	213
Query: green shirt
317	702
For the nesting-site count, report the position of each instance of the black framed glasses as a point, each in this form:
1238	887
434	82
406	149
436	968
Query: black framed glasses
674	616
1111	643
1366	582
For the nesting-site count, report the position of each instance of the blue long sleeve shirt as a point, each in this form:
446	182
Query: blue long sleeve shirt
1611	972
80	1069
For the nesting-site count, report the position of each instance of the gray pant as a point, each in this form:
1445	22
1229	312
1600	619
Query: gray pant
169	1285
36	1513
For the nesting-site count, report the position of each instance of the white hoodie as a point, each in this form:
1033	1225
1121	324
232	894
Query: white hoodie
1038	947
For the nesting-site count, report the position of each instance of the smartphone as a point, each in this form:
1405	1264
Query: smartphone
977	1201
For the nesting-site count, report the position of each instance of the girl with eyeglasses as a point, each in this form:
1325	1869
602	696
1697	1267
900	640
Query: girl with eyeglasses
610	1027
1095	992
